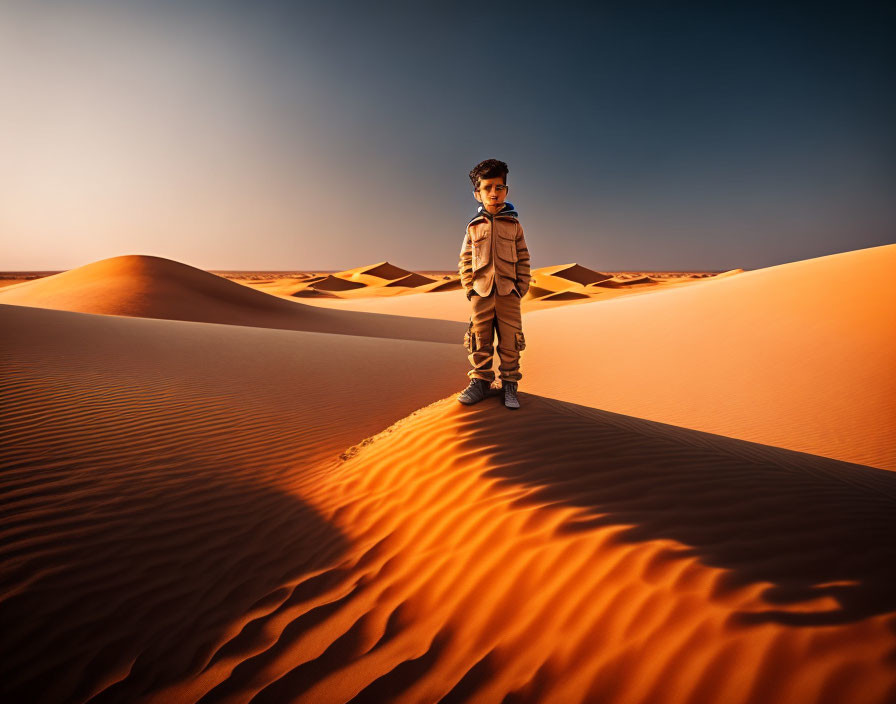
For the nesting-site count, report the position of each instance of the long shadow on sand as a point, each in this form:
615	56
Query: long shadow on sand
811	526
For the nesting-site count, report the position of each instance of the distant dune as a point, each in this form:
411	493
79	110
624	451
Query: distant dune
577	273
383	270
154	287
412	281
334	283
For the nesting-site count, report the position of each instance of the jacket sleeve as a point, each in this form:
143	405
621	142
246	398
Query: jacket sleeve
523	271
465	265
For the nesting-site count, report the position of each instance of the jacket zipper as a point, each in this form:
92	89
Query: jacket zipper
492	244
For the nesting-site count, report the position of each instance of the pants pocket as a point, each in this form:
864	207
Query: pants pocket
470	339
519	340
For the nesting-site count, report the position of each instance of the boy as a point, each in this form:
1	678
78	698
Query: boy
494	271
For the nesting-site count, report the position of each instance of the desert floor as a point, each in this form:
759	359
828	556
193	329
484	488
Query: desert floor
259	486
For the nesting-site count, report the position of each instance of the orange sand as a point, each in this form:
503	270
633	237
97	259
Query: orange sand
800	356
203	511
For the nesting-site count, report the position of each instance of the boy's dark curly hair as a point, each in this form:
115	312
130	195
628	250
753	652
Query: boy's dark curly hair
490	168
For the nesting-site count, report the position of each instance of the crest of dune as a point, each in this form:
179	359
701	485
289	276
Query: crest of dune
133	285
622	283
383	270
730	272
412	281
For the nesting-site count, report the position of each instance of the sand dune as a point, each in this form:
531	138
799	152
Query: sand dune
550	291
576	273
153	287
778	356
334	283
730	272
223	513
538	292
369	289
412	281
312	292
382	270
565	296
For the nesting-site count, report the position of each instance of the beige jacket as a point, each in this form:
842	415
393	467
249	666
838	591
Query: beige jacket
494	250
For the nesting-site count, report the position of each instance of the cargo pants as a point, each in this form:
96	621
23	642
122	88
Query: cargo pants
490	313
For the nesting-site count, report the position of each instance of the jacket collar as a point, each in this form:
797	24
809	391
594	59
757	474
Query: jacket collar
507	210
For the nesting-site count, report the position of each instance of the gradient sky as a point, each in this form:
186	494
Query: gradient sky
328	135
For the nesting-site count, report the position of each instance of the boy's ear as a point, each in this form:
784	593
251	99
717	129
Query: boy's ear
476	196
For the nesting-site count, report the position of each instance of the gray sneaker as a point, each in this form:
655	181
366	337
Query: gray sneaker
510	399
475	392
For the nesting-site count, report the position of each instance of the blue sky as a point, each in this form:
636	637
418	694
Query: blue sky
329	135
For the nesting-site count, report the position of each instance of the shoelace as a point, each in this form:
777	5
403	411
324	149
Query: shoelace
510	391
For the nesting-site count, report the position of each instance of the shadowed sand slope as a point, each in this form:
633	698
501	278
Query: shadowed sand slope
577	273
145	468
383	270
412	281
154	287
798	356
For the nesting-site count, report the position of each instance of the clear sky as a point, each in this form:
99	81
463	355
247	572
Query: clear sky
328	135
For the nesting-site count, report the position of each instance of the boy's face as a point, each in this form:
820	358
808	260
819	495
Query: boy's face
491	193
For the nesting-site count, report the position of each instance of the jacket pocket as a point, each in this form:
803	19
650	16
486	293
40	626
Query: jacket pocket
506	247
481	247
520	341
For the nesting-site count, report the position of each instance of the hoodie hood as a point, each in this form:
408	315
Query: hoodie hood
508	209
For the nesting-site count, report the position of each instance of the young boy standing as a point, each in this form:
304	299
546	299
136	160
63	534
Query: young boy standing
494	271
